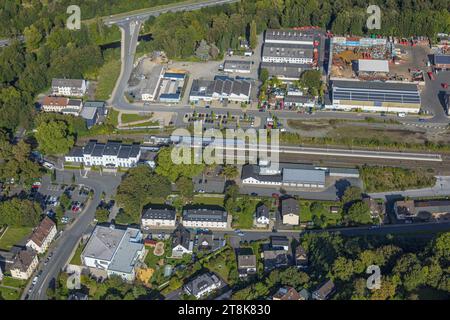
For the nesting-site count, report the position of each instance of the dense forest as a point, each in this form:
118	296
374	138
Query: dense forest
51	50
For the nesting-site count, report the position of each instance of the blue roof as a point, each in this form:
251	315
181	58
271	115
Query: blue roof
174	75
441	59
170	96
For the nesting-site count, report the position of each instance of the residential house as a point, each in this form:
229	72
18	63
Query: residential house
73	107
247	264
42	236
304	294
290	211
181	242
287	293
158	217
274	258
110	155
334	209
404	209
279	242
54	104
301	258
24	264
209	242
205	218
376	210
262	215
203	285
69	87
114	251
324	291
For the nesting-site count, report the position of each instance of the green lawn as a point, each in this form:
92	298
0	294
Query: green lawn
331	218
9	294
149	123
76	259
12	282
13	236
131	117
107	78
113	117
217	201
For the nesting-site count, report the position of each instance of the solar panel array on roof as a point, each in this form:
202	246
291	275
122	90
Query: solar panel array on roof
375	91
111	148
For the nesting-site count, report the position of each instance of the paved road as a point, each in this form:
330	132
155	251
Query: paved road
151	12
441	188
64	245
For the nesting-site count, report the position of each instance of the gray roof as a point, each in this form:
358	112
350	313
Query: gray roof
279	241
181	236
159	213
205	214
287	35
95	104
262	211
246	261
73	83
252	171
202	282
288	50
286	70
88	112
152	80
304	176
343	171
298	99
120	247
76	152
74	103
227	86
237	64
290	205
127	253
375	85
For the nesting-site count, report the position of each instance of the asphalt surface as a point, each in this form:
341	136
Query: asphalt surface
62	248
151	12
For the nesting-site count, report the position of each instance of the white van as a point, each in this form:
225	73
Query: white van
401	114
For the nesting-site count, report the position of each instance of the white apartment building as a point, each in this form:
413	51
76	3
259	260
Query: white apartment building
157	217
69	87
42	236
24	264
114	251
112	154
205	218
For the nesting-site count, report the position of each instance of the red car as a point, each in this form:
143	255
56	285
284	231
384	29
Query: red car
431	75
444	85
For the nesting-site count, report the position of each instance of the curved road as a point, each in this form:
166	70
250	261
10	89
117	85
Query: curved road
62	248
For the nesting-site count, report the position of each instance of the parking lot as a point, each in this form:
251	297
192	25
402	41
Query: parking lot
49	196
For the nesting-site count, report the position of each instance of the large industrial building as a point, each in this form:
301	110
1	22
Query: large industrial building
288	52
220	90
375	96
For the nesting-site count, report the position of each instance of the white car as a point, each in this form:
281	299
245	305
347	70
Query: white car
401	114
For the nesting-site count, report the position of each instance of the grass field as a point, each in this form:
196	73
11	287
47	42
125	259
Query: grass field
76	259
306	215
212	201
244	219
13	236
107	78
113	117
131	117
9	294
